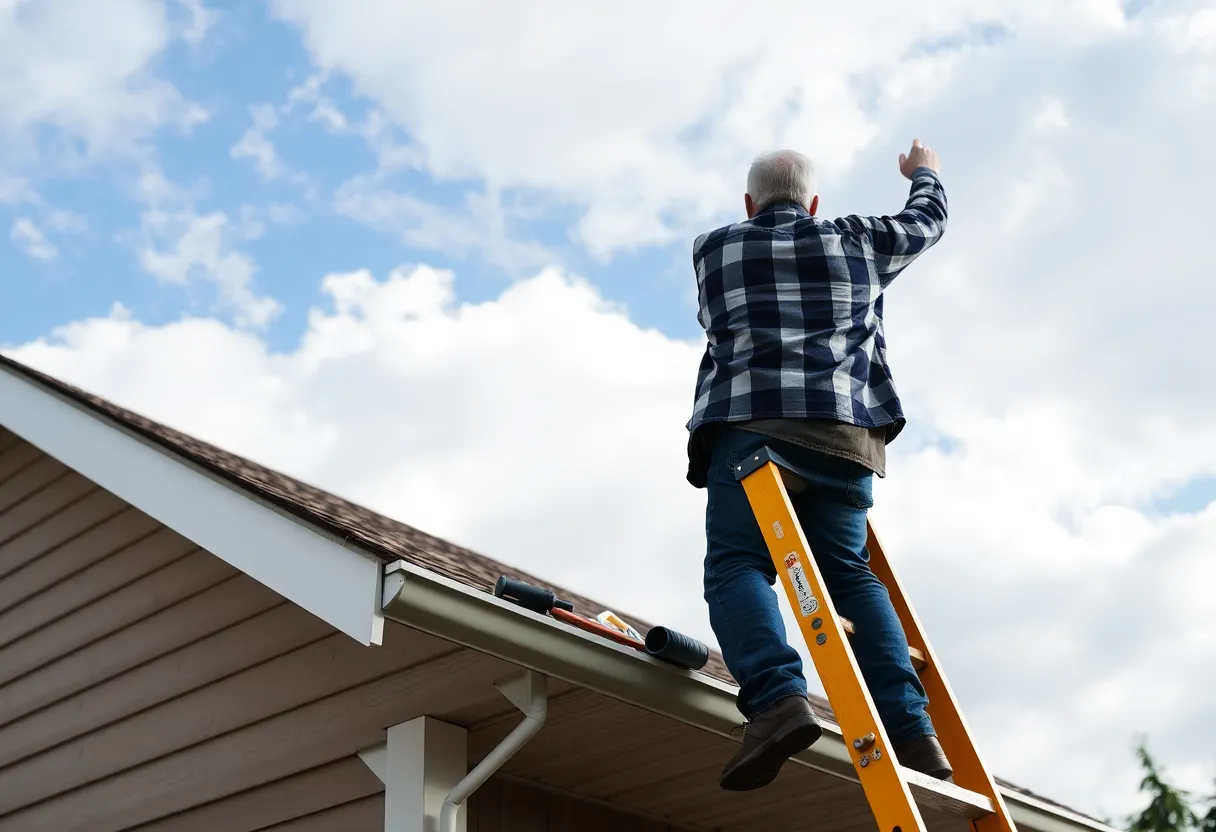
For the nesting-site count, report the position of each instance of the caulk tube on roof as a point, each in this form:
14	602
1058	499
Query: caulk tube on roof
677	648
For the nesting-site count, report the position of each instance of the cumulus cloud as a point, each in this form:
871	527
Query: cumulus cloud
645	120
480	226
30	239
83	69
382	136
30	235
178	245
504	402
201	19
198	245
256	145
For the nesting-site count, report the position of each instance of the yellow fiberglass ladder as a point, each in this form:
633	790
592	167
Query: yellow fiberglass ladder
895	793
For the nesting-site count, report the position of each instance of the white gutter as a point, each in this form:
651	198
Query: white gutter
526	692
451	610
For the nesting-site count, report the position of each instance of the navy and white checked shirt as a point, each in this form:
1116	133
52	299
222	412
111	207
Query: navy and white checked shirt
792	311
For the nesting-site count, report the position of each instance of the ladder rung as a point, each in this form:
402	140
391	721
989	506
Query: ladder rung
947	797
918	657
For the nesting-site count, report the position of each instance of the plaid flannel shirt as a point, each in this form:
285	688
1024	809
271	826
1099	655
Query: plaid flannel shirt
792	311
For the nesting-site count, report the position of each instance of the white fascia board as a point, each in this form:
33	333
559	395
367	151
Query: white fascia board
336	583
446	608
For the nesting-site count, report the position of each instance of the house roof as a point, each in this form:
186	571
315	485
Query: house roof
382	536
387	538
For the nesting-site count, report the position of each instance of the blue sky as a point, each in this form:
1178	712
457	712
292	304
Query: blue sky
250	61
223	170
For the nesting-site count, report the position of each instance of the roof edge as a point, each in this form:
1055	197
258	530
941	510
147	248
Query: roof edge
427	601
341	585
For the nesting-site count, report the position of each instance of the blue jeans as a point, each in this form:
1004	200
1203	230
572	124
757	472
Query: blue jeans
739	576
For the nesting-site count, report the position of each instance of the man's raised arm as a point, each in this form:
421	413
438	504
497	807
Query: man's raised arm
897	241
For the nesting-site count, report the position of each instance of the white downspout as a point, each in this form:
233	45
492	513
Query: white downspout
526	692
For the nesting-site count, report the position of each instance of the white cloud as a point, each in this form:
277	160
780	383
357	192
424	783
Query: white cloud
181	245
63	220
83	68
1051	116
30	239
199	246
1195	31
256	146
398	370
29	233
201	21
382	137
479	226
254	219
13	190
645	119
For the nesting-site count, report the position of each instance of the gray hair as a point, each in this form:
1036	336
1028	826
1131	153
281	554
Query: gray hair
782	175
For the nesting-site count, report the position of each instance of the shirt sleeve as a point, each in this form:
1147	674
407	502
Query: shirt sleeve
896	241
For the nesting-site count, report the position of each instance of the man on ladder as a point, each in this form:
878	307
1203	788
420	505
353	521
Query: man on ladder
796	362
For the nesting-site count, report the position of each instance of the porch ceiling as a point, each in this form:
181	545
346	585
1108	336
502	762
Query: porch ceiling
600	748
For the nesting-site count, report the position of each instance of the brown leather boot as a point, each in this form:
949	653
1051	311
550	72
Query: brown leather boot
926	756
786	728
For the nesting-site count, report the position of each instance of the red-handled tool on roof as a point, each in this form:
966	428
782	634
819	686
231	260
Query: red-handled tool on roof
660	642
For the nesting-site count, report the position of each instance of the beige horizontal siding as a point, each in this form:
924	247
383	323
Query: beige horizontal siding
146	684
158	635
7	439
296	796
110	613
125	650
88	549
256	640
363	815
23	472
50	517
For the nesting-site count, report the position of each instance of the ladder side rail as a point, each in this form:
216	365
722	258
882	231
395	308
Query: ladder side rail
970	771
886	790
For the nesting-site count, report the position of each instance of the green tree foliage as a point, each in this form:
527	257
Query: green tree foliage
1168	809
1209	820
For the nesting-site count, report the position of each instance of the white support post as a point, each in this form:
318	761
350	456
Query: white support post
423	761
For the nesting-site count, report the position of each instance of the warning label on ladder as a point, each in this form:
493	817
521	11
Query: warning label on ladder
808	604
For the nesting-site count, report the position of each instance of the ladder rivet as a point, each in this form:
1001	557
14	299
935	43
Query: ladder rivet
865	761
821	639
877	754
817	623
862	743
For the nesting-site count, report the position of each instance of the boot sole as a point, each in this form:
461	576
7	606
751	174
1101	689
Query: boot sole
762	766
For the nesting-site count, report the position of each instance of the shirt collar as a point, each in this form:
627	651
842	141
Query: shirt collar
785	205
